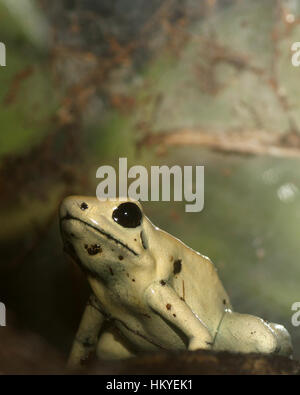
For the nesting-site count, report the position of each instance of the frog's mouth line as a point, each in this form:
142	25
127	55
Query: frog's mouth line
99	230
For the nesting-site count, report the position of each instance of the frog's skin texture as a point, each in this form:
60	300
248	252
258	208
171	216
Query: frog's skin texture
149	290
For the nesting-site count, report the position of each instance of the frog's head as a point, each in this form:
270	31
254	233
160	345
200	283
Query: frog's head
98	233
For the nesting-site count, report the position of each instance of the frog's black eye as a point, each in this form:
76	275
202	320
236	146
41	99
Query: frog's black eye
83	206
128	215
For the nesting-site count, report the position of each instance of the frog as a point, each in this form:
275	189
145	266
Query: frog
150	292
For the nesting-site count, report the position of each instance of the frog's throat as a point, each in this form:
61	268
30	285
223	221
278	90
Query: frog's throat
99	230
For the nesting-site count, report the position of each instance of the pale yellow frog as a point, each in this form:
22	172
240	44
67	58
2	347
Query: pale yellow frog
150	291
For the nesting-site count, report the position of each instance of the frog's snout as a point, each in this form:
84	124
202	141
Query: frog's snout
69	209
63	209
72	204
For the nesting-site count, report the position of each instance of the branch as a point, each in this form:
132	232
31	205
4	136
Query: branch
252	142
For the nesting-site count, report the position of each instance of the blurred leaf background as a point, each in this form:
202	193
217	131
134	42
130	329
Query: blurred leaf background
87	82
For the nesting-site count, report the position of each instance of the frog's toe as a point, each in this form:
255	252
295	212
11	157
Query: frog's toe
284	342
276	340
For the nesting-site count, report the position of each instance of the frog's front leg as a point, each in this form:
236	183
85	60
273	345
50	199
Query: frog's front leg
112	345
165	301
87	335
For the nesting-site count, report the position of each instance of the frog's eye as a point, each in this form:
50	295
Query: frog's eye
128	215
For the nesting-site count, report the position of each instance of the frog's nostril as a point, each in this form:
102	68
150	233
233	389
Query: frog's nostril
83	206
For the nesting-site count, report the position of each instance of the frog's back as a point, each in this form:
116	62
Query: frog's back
195	280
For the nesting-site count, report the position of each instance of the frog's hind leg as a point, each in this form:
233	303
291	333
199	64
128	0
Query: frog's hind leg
111	345
246	333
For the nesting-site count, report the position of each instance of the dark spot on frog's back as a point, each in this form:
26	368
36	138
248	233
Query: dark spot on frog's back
168	306
177	266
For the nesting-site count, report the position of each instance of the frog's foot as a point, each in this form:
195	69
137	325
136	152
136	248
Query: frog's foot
111	345
246	333
284	339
